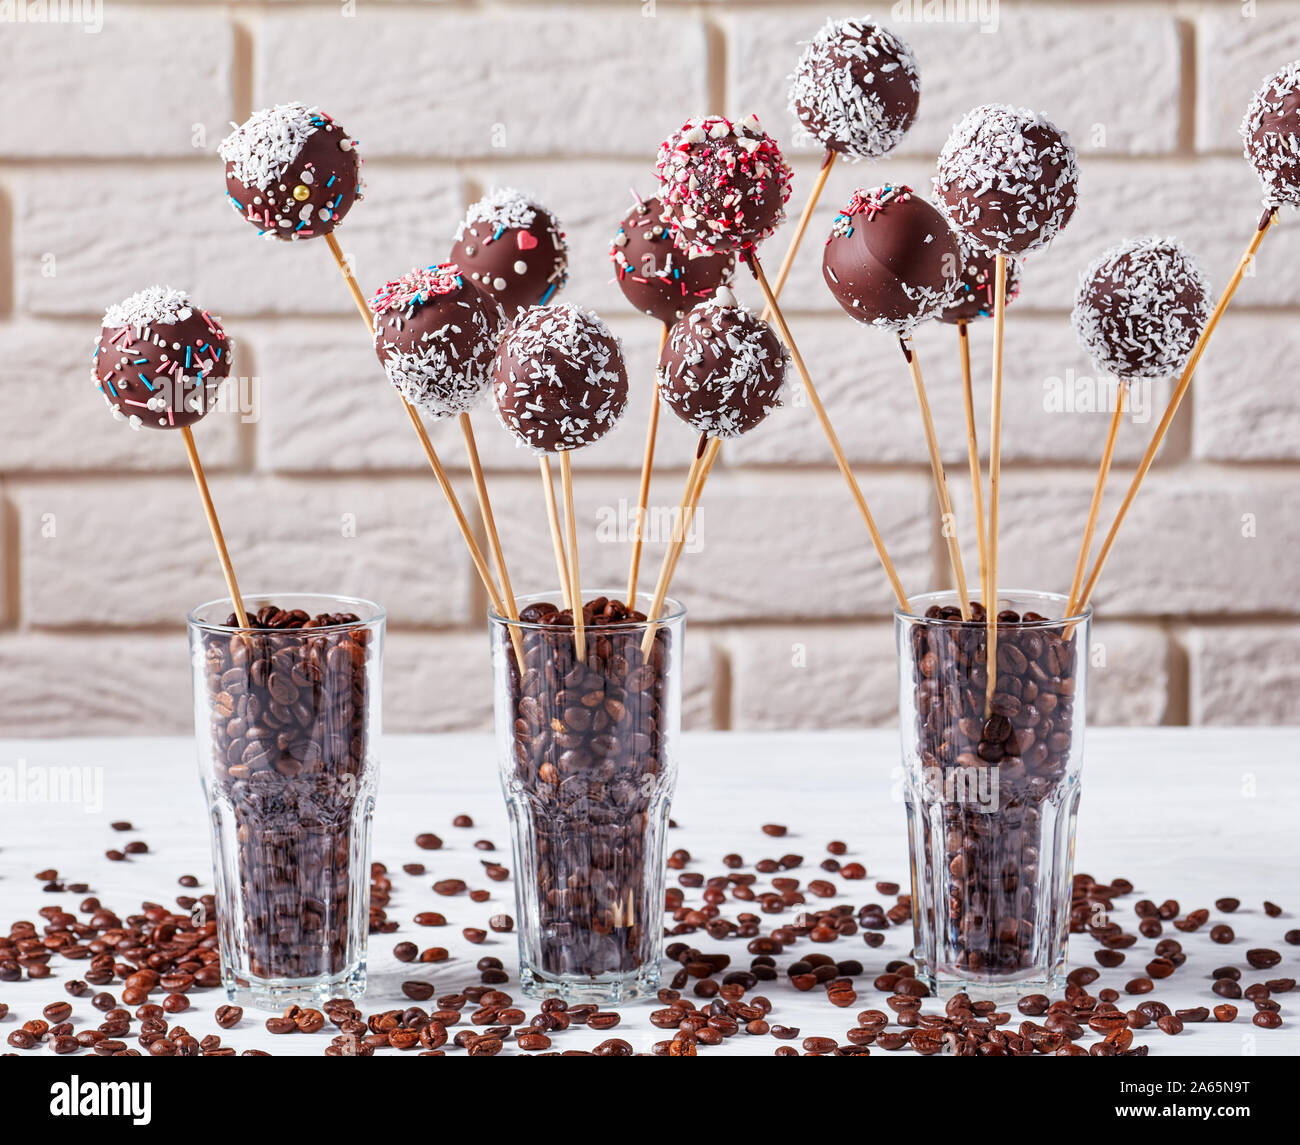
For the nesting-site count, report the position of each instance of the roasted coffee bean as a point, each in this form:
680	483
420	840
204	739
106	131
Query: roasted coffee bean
1272	909
1267	1019
1227	905
1222	934
1225	1013
227	1017
1170	1024
1193	1014
430	918
1263	959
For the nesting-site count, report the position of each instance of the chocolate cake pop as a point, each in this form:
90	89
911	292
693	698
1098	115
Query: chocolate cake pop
1140	308
891	260
436	335
291	171
978	280
855	89
1271	133
723	369
512	247
724	185
655	275
1007	179
160	359
558	379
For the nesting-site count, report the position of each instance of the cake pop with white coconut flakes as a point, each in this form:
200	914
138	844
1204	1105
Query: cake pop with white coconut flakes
722	369
1140	308
559	381
1007	179
891	260
657	276
160	359
855	90
291	171
724	185
513	248
1271	134
436	335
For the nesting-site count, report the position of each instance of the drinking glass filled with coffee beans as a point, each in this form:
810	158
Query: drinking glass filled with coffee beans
287	716
991	785
586	754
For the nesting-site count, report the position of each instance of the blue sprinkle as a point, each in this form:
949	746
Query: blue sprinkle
147	386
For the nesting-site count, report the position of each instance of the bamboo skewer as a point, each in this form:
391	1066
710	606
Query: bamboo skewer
489	518
796	239
553	519
705	456
840	460
973	449
940	478
990	592
1180	391
1094	509
476	554
214	526
643	491
575	578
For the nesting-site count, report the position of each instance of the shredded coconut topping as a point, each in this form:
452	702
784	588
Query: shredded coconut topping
1270	131
835	91
262	148
1007	179
1140	307
503	207
560	382
153	306
726	369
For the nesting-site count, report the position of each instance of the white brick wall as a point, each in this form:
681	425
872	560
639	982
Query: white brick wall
109	181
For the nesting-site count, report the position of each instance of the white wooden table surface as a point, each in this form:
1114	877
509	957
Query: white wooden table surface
1191	814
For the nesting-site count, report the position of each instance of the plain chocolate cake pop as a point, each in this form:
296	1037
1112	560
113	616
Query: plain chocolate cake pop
1007	179
512	247
722	369
1271	133
724	185
655	275
1140	308
160	359
855	89
559	381
891	259
978	280
291	171
436	335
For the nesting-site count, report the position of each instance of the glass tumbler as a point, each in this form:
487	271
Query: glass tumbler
586	750
287	713
991	785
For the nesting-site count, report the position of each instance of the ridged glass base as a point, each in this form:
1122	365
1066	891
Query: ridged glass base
607	990
278	994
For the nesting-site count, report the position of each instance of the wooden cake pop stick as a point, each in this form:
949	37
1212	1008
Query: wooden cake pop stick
553	519
751	257
476	554
643	491
489	518
1180	391
575	576
973	449
990	593
1103	471
796	239
940	478
214	526
705	456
